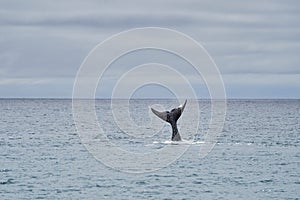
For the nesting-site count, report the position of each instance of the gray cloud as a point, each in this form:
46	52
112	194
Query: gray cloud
179	18
41	41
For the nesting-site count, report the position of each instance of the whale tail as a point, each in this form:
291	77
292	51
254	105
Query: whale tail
172	117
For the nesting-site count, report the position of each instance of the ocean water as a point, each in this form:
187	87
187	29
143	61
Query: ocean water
257	155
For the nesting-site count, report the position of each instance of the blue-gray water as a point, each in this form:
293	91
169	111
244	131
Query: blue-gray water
257	156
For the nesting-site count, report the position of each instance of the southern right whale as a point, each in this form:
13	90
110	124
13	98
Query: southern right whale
172	117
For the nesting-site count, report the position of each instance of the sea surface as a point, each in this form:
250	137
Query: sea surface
257	155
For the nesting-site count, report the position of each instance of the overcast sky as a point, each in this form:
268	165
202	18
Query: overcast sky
255	44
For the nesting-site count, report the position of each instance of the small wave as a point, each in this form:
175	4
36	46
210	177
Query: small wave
189	142
5	170
9	181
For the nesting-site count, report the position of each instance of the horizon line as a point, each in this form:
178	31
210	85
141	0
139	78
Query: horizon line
156	98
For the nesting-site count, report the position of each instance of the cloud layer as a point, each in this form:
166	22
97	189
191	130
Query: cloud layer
255	44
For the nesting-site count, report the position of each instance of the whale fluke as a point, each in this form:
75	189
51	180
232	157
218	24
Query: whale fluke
172	117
